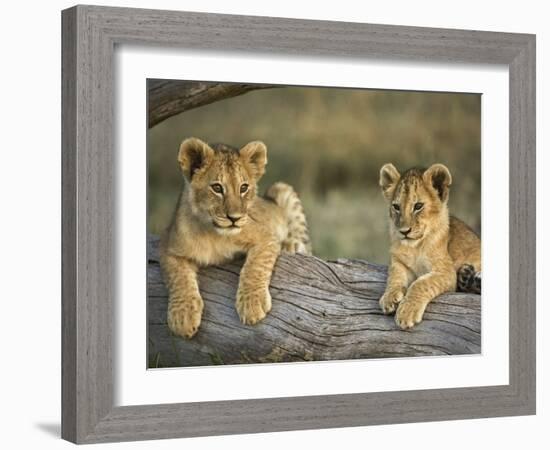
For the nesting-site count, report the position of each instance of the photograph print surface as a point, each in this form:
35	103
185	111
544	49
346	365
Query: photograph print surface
299	224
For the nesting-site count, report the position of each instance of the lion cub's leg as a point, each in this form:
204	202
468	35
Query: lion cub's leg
399	278
185	303
468	279
421	292
253	297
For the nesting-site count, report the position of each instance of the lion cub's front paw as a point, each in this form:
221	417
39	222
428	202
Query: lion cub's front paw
184	318
253	306
409	313
390	300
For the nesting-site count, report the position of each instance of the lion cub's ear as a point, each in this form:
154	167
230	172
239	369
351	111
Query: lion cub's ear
389	177
439	177
193	155
255	155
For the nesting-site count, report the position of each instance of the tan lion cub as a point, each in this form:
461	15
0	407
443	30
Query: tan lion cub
219	216
431	252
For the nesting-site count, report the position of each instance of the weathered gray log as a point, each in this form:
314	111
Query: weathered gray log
170	97
321	311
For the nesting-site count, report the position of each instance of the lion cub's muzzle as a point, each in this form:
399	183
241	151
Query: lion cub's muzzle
409	234
231	223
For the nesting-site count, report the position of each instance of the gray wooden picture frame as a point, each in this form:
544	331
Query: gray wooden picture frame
90	34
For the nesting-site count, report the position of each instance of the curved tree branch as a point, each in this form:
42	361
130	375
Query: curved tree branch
167	98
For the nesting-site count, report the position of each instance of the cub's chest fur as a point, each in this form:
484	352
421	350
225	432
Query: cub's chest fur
206	249
416	260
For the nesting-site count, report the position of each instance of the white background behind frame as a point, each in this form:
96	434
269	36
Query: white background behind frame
135	385
31	387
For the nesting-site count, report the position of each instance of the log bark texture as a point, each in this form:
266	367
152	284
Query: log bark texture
322	310
170	97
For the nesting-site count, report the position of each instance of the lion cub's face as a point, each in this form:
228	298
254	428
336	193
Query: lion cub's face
222	181
417	200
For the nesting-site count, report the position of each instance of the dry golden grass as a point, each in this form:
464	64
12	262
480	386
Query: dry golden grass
330	144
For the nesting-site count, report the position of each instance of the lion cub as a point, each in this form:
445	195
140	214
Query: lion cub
219	216
431	252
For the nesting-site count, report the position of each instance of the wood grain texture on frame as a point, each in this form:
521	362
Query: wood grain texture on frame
88	198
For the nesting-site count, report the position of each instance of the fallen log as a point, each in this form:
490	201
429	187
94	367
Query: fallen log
322	310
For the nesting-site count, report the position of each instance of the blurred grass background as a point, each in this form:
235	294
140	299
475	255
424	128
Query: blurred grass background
330	143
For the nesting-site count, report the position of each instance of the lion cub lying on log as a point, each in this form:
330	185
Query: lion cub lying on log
431	252
219	216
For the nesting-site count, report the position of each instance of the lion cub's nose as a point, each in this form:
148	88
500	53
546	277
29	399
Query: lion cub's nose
405	231
234	217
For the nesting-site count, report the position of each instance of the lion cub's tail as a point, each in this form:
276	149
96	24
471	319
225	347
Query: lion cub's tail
297	239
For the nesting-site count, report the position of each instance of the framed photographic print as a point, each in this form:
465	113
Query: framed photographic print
278	224
324	307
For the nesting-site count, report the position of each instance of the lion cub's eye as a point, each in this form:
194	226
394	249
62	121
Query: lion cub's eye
395	206
244	188
217	188
418	206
